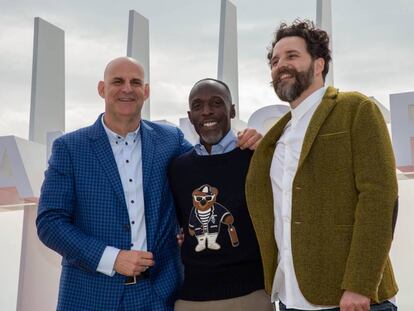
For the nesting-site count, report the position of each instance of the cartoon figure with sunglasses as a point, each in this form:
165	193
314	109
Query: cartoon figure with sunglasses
206	218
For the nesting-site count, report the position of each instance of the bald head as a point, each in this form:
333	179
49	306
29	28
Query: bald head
123	61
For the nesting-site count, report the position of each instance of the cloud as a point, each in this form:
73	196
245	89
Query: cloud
372	52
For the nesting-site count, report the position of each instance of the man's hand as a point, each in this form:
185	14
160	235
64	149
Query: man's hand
354	302
132	263
191	232
248	138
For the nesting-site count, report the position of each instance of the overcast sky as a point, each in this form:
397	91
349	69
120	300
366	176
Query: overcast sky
373	50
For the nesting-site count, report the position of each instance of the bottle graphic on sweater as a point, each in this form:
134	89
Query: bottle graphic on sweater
206	218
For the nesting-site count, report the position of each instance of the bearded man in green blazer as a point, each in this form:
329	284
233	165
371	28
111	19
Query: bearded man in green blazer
322	188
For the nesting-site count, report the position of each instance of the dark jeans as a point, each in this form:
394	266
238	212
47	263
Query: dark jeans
384	306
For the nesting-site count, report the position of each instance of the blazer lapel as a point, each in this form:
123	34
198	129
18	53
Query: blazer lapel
259	197
273	135
103	151
260	168
148	143
148	146
318	118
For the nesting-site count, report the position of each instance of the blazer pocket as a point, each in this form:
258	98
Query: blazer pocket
333	135
344	228
332	152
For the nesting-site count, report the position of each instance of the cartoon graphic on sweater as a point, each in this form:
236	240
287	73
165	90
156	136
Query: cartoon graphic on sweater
206	218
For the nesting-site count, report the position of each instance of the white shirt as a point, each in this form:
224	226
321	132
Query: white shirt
128	157
282	172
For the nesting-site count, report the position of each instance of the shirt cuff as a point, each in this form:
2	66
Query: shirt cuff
107	262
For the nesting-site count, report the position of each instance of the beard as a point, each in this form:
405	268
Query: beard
212	138
289	91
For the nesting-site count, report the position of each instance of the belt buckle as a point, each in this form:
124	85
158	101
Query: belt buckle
131	280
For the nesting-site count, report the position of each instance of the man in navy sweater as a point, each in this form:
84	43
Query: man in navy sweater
220	252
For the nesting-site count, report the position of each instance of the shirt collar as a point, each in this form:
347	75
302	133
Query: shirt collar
313	99
116	139
226	144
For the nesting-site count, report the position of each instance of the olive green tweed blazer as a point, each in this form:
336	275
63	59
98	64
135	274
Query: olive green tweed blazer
343	202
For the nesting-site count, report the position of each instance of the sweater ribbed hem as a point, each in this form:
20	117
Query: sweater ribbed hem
204	284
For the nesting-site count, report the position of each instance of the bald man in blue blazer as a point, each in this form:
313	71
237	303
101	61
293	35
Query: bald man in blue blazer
117	255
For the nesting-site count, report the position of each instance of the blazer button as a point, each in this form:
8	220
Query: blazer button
127	227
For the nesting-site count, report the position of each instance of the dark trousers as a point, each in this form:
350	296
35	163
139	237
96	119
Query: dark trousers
384	306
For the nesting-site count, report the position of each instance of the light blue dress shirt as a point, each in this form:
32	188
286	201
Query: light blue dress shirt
226	144
128	157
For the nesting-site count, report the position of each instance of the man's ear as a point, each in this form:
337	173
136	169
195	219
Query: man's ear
146	91
232	112
101	89
319	65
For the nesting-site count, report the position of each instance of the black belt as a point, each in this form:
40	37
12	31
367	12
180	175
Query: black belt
131	280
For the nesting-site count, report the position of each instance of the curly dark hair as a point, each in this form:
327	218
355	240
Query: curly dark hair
317	40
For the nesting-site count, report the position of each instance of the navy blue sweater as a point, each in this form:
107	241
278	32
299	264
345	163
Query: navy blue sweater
220	251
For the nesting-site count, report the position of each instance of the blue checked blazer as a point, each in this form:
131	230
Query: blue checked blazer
82	210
